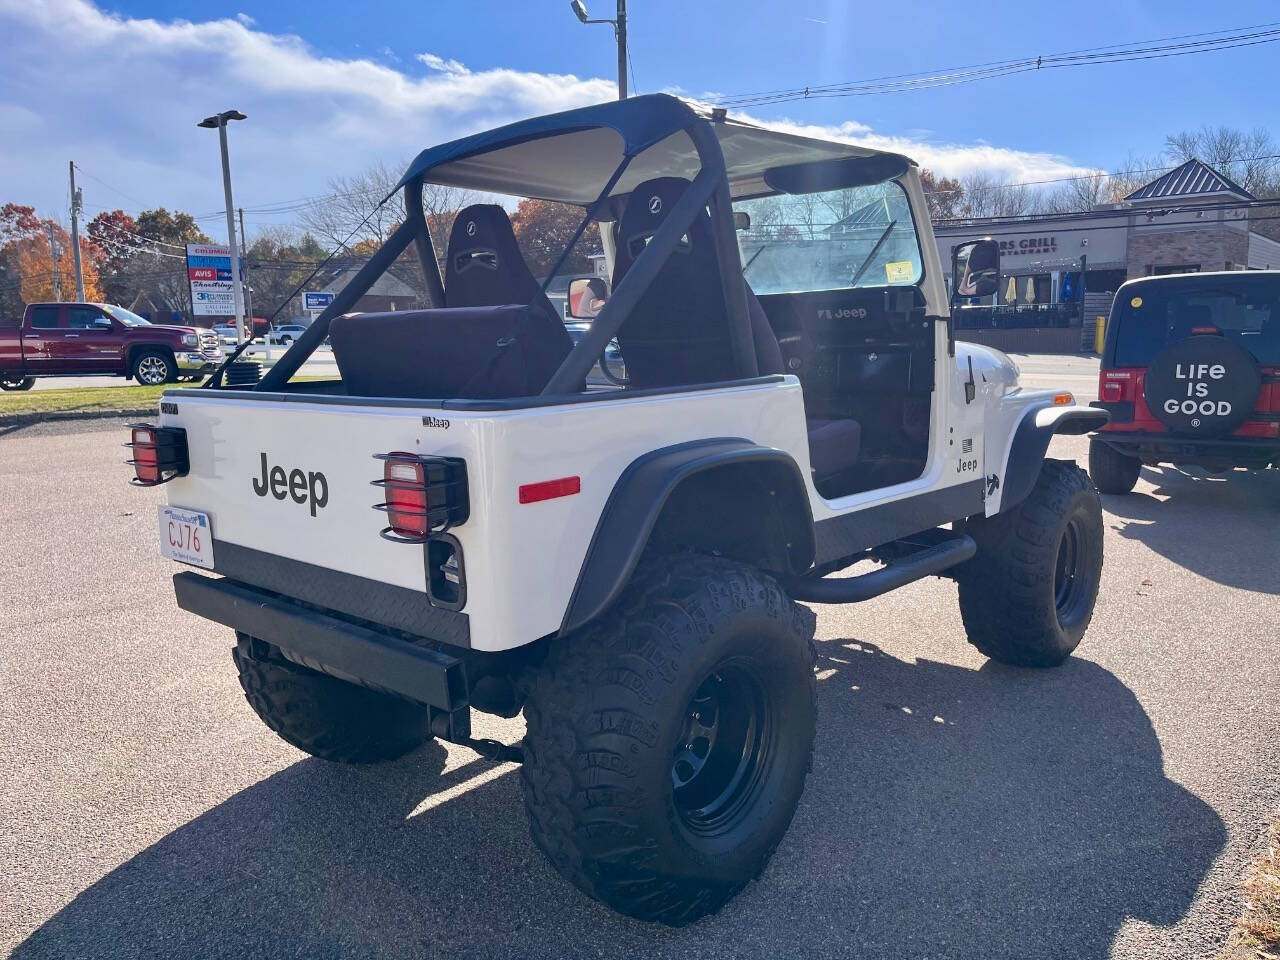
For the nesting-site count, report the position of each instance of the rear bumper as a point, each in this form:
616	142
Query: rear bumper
1219	451
332	645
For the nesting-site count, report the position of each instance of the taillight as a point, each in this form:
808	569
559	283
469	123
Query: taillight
1111	391
159	454
424	495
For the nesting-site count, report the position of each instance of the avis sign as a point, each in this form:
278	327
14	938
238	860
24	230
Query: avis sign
209	273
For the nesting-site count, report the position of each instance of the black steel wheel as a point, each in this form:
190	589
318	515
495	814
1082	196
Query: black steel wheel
669	741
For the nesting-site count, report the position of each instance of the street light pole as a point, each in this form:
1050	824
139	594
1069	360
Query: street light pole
237	291
619	32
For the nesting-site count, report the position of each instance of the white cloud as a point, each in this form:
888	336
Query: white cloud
434	62
310	116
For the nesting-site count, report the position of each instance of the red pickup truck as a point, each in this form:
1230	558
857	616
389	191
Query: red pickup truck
100	339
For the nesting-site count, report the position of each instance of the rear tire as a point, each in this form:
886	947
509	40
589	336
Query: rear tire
1027	597
669	741
1111	470
324	716
21	383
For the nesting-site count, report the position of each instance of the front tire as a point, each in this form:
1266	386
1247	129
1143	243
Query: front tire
21	383
1111	470
668	742
154	367
1027	597
324	716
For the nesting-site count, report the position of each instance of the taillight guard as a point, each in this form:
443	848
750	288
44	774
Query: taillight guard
425	495
159	454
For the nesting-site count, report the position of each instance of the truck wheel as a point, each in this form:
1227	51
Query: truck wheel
1111	470
19	383
324	716
153	367
668	742
1027	596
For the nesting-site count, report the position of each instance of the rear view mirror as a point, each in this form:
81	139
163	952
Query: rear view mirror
586	297
975	268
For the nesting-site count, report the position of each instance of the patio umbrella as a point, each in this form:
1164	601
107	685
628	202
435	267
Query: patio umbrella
1031	290
1011	294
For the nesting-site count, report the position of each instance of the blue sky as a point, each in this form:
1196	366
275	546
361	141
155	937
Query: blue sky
330	88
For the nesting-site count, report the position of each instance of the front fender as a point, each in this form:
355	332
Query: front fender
1030	442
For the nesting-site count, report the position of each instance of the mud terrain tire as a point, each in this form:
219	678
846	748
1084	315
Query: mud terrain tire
327	717
668	742
1111	470
1027	597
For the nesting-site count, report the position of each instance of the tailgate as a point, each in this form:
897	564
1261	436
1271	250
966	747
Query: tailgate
293	480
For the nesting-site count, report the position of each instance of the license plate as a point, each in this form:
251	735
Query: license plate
186	536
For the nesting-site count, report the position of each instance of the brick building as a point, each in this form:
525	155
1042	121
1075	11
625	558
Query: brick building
1060	274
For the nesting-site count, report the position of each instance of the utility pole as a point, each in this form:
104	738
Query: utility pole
620	28
75	233
53	253
219	122
248	289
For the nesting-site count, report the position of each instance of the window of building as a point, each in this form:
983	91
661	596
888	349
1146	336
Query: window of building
1163	270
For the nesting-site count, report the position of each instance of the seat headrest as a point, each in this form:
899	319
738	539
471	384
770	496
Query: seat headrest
646	210
484	266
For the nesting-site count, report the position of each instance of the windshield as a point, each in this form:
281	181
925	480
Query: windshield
1244	309
855	237
127	317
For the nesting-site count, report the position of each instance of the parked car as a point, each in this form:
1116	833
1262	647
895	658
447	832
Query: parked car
286	333
76	339
1190	375
226	334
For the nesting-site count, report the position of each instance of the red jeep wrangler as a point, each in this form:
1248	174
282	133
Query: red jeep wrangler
1191	376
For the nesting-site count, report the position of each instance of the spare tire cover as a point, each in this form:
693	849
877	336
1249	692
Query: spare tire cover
1202	386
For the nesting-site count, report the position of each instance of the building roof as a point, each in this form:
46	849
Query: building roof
1191	179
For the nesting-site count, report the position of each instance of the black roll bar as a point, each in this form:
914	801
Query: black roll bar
422	240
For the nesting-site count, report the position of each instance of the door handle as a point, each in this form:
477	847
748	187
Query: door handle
70	336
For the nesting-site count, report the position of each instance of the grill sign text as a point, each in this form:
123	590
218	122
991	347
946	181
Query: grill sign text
1196	376
301	487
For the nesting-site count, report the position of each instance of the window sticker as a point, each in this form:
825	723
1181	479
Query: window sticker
899	271
1136	302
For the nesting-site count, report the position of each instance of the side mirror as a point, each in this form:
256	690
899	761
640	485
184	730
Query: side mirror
741	220
587	296
102	323
975	268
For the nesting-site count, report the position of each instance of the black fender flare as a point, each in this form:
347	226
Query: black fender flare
637	500
1031	442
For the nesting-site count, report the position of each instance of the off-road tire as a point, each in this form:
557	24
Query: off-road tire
151	360
324	716
1111	470
22	383
1009	591
607	713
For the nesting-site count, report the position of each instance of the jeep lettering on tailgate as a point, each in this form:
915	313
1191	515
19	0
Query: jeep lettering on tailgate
300	487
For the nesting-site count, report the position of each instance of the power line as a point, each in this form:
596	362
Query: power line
1206	42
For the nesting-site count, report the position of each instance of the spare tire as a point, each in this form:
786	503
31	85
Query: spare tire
1203	386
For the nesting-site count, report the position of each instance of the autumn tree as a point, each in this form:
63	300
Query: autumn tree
543	230
276	262
31	258
944	195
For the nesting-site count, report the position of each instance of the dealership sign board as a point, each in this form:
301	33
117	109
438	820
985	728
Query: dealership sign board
209	273
314	302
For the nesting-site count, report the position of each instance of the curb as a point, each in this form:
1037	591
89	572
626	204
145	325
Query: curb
56	416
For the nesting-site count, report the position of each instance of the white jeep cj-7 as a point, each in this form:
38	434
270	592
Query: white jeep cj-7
622	563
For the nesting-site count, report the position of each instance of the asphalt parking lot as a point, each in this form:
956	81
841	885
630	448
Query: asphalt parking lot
956	809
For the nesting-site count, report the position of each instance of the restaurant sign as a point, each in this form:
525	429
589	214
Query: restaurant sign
1028	246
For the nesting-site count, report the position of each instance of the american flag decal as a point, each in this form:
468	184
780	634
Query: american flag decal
966	445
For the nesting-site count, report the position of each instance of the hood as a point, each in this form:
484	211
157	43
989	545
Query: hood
990	364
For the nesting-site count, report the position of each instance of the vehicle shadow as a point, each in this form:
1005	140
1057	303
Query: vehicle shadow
1240	509
951	813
